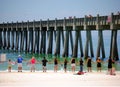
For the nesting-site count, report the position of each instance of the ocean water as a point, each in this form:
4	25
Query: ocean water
50	65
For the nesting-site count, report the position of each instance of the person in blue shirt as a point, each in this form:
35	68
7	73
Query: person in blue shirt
19	62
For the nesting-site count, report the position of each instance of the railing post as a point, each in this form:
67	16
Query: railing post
112	22
74	23
97	22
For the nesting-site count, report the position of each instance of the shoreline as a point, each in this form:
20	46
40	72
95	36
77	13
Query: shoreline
59	79
53	71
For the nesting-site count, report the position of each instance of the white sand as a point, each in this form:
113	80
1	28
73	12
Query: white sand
59	79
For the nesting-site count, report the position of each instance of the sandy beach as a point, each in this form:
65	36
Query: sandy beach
59	79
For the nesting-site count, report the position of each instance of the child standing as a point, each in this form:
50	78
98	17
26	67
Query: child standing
9	65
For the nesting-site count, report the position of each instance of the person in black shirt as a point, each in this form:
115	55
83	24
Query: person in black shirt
65	65
98	64
89	64
110	65
81	65
44	62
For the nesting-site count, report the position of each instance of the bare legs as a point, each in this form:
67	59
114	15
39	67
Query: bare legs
55	68
98	69
89	69
33	67
73	68
19	69
44	68
9	69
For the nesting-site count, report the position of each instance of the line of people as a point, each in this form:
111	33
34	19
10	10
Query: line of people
88	62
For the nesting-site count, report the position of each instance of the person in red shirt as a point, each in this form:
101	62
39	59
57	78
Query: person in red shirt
33	62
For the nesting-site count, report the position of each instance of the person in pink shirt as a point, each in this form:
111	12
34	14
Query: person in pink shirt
33	62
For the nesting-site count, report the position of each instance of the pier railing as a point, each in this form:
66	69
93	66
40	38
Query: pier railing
32	36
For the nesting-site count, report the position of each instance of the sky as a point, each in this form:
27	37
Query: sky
24	10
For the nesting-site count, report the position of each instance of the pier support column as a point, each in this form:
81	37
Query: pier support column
88	42
57	49
100	44
43	42
66	44
71	41
16	34
6	39
22	39
55	35
62	32
37	40
50	42
19	39
30	41
12	32
113	48
81	46
16	40
33	37
75	50
26	40
4	33
8	35
59	38
0	38
33	45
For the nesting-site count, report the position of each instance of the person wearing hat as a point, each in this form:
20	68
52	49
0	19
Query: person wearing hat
19	62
